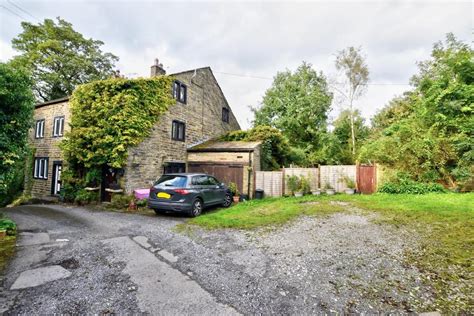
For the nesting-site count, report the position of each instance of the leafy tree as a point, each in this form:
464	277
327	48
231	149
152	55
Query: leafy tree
352	63
397	109
297	104
59	58
433	136
344	126
276	151
16	112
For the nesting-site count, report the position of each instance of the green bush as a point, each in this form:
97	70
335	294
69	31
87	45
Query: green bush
411	187
293	183
233	189
85	197
304	186
8	225
120	201
142	203
13	182
93	177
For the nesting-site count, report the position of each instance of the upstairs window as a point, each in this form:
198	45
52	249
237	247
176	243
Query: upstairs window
40	170
58	126
180	91
39	129
178	131
225	115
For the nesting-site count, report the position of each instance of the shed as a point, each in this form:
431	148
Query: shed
228	161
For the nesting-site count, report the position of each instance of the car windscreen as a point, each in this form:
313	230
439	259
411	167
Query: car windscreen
172	181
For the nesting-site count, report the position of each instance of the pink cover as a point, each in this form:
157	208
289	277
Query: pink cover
141	194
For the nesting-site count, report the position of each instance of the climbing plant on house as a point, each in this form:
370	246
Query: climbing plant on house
110	116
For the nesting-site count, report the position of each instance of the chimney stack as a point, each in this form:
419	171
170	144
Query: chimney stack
157	69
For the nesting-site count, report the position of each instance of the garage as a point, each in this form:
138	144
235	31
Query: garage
232	161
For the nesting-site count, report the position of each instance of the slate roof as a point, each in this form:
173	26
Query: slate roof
225	146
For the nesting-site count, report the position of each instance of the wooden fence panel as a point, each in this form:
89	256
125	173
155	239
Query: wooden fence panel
271	182
311	173
334	175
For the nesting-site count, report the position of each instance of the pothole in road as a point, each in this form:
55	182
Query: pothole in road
70	264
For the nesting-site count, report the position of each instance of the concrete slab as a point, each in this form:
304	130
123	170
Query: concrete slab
168	256
142	241
163	290
28	239
39	276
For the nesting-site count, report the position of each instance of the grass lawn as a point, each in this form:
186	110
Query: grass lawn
444	222
7	243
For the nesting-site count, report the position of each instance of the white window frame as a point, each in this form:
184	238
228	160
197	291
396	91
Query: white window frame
39	129
58	126
40	168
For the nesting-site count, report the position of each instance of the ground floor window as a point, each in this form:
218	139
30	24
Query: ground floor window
40	170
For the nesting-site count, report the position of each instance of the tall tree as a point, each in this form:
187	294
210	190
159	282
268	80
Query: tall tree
344	125
351	62
60	58
297	103
430	132
16	112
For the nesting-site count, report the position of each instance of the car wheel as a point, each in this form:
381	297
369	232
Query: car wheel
227	201
196	208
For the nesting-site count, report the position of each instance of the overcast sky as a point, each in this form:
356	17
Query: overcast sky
246	43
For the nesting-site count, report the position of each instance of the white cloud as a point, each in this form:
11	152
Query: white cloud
260	38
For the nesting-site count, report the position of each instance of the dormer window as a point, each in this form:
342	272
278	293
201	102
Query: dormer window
225	115
180	91
58	126
39	129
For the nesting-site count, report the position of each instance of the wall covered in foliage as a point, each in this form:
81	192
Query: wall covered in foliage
109	116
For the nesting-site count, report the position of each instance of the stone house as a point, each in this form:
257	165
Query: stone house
201	113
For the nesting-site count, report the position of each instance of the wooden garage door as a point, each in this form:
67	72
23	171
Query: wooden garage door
223	172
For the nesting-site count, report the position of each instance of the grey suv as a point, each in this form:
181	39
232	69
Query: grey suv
188	192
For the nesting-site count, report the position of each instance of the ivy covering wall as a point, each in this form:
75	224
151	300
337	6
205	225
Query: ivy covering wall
109	116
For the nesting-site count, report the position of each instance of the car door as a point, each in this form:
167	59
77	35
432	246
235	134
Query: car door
218	191
201	183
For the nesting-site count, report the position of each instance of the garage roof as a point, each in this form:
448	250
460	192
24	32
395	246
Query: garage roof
225	146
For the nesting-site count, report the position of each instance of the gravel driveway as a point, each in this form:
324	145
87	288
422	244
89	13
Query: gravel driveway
342	263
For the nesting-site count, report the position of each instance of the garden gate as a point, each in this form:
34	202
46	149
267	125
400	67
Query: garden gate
366	179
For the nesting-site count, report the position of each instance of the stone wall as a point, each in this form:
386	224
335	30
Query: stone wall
47	146
202	115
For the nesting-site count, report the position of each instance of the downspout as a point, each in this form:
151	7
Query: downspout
249	171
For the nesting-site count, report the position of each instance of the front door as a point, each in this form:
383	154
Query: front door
56	183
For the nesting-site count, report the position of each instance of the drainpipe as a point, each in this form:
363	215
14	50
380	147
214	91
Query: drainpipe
248	173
